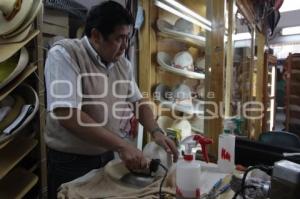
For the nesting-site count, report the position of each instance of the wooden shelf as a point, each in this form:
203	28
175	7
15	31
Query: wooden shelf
17	183
4	92
190	41
13	153
183	73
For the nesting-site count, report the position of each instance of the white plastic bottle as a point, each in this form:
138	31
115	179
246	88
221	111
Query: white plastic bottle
226	149
188	175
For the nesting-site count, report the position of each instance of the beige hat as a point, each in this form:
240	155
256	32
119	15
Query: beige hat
200	64
180	30
8	50
195	107
18	38
31	97
166	63
12	67
184	60
182	94
183	25
12	14
36	6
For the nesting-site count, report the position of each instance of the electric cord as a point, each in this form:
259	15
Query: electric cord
267	169
161	195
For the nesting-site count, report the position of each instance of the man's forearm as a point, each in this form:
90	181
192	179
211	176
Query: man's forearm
146	117
97	136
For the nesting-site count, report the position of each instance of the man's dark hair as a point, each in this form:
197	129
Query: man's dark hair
105	17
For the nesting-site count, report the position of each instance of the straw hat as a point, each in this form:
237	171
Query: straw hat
36	6
29	95
183	25
12	67
184	60
12	14
200	64
16	39
165	96
181	29
8	50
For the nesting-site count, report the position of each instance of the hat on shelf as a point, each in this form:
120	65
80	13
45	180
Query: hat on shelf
29	99
182	95
13	66
8	50
197	124
200	64
16	39
36	7
183	125
182	29
183	25
12	14
184	60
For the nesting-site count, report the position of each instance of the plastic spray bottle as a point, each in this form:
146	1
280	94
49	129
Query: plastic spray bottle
188	170
226	149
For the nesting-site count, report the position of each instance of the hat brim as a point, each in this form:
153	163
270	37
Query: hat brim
11	25
8	50
31	97
185	127
20	64
197	106
167	28
37	5
16	39
164	122
165	61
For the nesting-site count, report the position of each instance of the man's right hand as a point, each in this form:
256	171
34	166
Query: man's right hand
132	157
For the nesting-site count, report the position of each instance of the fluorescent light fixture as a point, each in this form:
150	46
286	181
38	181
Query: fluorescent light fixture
188	11
241	36
180	14
290	30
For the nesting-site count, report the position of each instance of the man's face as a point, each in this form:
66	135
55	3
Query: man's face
113	47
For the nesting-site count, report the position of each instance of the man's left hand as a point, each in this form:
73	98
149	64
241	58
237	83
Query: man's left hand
166	143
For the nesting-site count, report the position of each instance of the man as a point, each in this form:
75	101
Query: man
88	81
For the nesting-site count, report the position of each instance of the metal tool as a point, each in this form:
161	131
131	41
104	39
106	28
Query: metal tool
144	178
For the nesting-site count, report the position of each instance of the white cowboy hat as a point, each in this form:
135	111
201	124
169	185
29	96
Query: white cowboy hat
18	38
36	6
182	94
8	50
30	97
196	107
12	67
200	64
184	60
197	124
181	30
12	14
165	61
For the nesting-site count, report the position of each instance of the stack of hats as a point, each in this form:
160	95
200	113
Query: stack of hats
16	18
16	30
16	111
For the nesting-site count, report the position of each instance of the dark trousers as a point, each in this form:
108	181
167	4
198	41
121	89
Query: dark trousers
65	167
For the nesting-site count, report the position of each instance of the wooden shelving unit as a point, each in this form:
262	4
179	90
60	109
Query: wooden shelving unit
27	143
292	97
270	61
13	153
17	81
17	184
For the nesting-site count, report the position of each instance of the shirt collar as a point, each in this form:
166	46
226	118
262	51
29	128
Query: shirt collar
95	54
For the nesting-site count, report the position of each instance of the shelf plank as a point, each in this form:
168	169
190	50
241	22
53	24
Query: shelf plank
13	153
17	81
189	41
17	183
183	73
